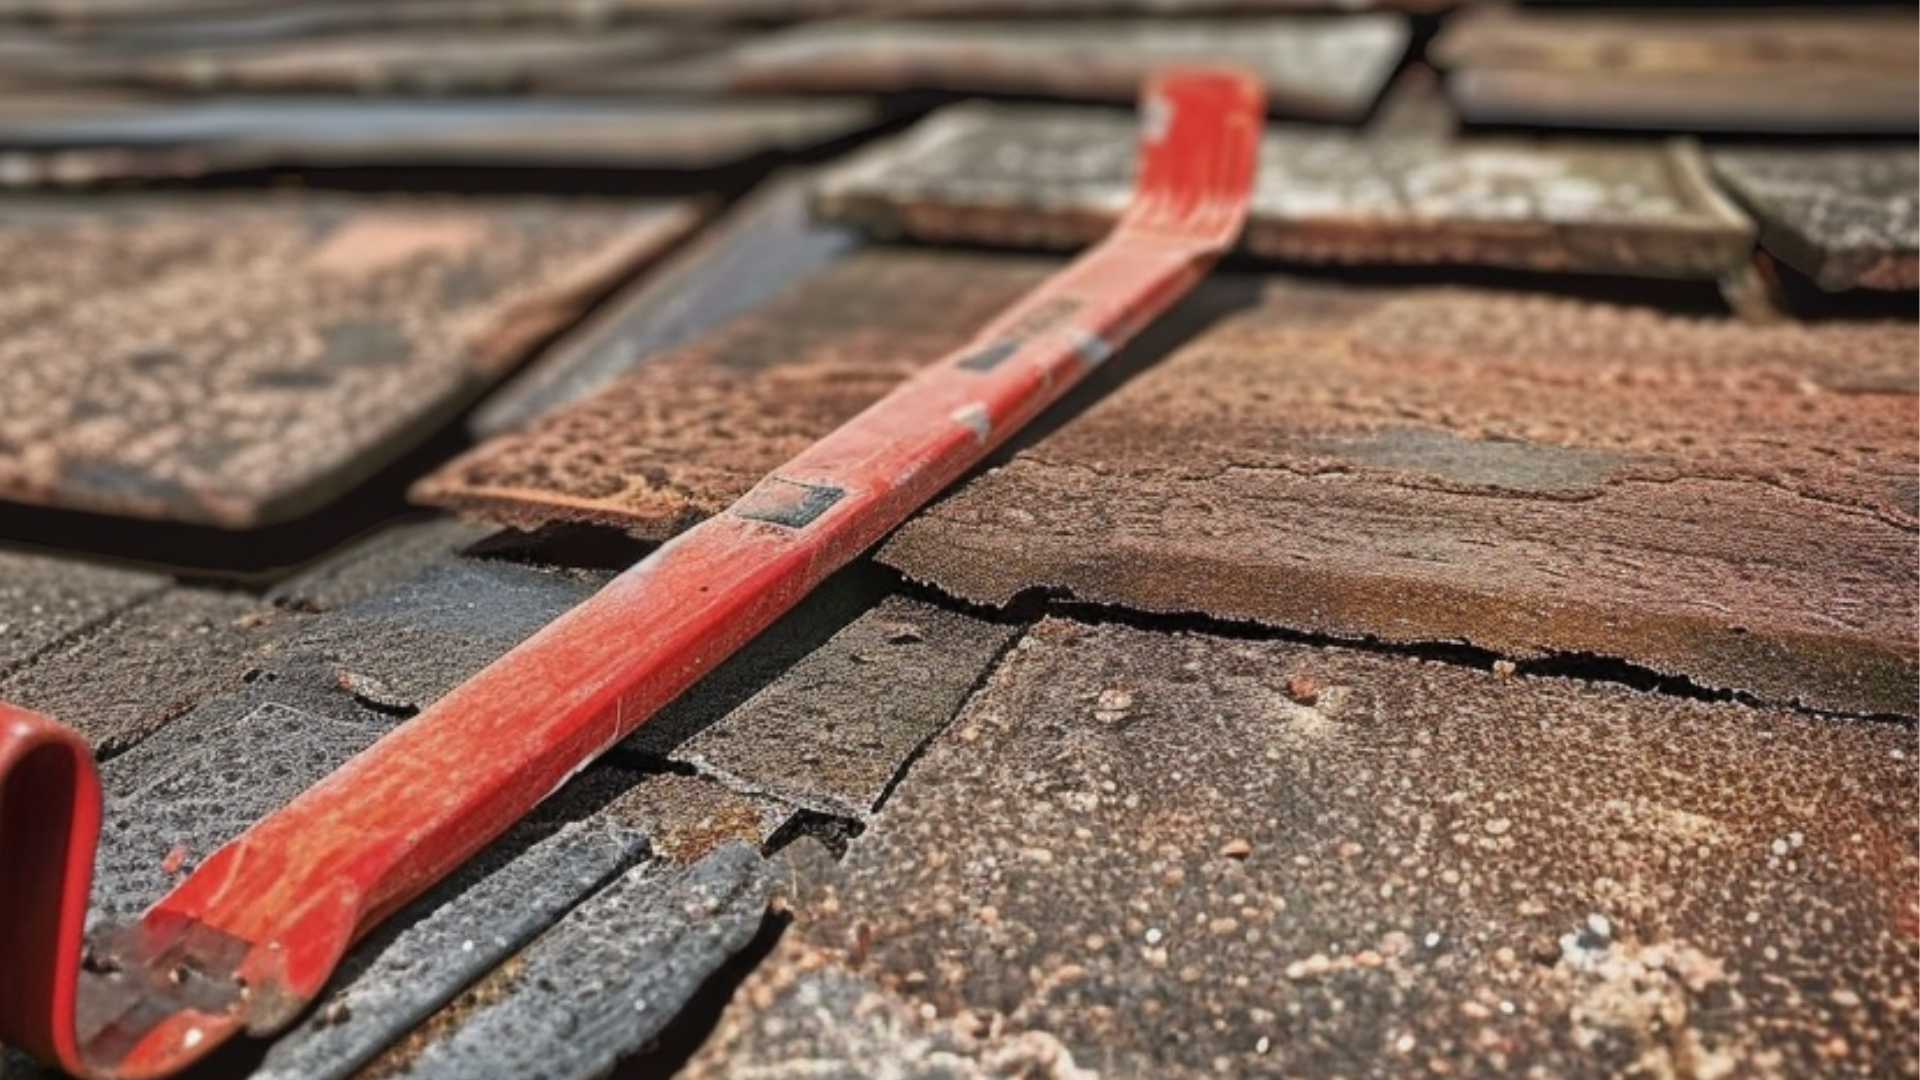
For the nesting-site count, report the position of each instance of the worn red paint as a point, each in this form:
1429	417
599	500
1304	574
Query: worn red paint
249	938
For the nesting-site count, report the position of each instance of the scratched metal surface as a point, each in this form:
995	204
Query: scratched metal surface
1847	217
1811	71
240	360
1058	178
1325	67
1145	854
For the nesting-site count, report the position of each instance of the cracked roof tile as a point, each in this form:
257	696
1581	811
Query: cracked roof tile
1451	465
1175	855
143	378
1059	178
1533	475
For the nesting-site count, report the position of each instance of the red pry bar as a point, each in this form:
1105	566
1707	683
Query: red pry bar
251	936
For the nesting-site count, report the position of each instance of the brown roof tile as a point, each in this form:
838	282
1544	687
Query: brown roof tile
242	360
1141	854
759	247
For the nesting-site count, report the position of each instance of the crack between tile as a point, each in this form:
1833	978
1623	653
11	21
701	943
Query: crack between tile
1034	603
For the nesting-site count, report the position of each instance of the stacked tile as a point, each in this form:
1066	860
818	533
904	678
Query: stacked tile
1059	178
71	139
1821	70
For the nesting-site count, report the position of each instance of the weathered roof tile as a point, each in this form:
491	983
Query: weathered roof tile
1818	70
1532	475
1849	218
685	435
242	360
1146	854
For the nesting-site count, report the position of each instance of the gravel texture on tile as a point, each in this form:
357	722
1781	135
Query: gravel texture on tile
832	731
108	139
1323	67
1848	218
762	246
1143	854
605	981
243	360
1819	70
122	680
1059	178
1532	475
405	647
46	599
683	436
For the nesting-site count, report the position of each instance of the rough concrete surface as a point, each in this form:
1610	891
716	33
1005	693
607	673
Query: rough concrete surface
140	379
1325	67
1815	70
1059	178
1527	474
681	437
1145	854
1849	218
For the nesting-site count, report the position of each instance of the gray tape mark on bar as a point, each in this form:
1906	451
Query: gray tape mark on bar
990	356
787	502
1090	346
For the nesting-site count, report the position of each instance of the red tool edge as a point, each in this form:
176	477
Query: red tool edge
249	939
